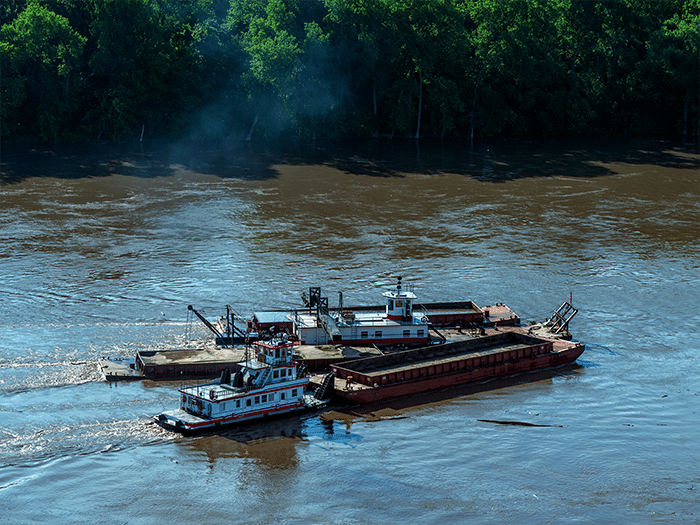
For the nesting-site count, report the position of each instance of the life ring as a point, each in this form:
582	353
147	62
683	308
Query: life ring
424	319
212	394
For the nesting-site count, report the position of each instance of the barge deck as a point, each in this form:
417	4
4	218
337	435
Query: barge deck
210	362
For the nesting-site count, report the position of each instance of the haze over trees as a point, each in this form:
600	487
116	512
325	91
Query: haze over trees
213	69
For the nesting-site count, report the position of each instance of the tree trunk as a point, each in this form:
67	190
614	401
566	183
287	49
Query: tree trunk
572	80
250	133
420	101
444	117
396	118
374	96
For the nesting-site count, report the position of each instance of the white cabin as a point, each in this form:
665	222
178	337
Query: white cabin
395	325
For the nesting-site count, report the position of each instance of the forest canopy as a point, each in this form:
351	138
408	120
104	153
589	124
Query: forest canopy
249	69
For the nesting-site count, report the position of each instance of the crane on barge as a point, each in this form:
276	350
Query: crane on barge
230	334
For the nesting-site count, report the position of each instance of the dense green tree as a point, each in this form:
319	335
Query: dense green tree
675	47
39	51
10	9
266	33
360	50
314	95
335	68
144	68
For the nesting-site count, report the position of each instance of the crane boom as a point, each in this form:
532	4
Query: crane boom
207	323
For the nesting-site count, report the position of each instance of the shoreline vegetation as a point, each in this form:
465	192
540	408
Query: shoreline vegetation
265	70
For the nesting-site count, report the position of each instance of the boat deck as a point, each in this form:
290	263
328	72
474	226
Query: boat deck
219	391
500	315
465	317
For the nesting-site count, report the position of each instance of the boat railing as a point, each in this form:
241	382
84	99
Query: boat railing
203	389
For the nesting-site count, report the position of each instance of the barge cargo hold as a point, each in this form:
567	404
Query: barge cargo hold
210	362
449	364
186	362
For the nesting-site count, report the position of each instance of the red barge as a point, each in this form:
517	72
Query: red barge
439	366
401	320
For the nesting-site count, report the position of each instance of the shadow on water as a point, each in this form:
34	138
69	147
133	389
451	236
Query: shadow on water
503	160
321	425
287	427
395	408
76	161
271	444
488	160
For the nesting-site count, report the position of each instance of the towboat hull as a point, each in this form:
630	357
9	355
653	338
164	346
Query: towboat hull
186	423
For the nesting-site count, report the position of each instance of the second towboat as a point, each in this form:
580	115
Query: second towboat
274	383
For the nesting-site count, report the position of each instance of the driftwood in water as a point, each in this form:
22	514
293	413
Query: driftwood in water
516	423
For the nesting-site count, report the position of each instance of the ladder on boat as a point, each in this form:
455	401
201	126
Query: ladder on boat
322	391
265	377
559	321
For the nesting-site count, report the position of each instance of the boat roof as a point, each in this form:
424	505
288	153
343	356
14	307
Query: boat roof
368	319
274	344
254	364
399	294
272	317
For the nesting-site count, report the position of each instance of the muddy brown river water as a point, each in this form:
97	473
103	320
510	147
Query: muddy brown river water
103	247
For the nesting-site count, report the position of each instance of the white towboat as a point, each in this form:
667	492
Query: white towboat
272	384
397	324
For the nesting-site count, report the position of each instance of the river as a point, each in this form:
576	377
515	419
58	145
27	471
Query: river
103	247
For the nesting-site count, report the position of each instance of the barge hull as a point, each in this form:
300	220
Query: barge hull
459	371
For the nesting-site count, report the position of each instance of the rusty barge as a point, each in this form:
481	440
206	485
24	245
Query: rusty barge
322	336
498	354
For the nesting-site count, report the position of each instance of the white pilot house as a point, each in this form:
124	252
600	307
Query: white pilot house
396	325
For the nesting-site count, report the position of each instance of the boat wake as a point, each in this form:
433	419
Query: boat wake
41	445
18	377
